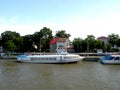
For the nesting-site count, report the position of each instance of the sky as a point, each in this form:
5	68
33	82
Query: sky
79	18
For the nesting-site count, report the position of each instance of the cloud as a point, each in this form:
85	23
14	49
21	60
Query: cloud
77	27
100	26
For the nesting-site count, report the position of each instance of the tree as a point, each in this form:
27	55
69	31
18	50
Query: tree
107	47
99	44
113	39
62	34
27	40
90	41
45	37
19	44
8	37
10	46
36	38
78	43
118	42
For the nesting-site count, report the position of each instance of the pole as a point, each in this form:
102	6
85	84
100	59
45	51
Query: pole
87	46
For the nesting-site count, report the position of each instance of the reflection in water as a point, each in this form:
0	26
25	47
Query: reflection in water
78	76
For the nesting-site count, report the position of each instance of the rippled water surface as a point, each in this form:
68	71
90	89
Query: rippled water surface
77	76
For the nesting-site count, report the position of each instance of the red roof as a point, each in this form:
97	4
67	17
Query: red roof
102	37
53	41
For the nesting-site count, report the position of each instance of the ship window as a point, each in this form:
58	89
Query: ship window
111	58
117	58
54	58
73	57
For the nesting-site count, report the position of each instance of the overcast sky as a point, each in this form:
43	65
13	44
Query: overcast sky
78	17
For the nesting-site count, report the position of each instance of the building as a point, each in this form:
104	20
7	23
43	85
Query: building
104	39
60	44
53	45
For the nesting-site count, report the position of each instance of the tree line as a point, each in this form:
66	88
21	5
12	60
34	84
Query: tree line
39	41
14	42
91	44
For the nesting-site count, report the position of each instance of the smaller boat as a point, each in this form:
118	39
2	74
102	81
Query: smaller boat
8	56
110	59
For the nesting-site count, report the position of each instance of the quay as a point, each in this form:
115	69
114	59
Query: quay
92	56
88	56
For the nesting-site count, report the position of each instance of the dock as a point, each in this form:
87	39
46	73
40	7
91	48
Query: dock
92	56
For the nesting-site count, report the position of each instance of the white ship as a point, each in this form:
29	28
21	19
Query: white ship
60	57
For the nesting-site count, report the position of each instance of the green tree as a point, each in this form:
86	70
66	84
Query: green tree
113	39
99	44
78	43
45	37
36	38
10	46
118	42
0	41
90	41
107	47
19	43
8	35
62	34
27	40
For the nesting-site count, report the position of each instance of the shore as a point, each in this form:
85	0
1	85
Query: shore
88	56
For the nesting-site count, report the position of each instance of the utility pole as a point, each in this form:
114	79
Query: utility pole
87	45
40	45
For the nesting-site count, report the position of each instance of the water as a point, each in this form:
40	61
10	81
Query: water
77	76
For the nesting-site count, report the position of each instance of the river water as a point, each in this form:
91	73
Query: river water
77	76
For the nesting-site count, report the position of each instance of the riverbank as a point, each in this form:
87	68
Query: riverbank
88	56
